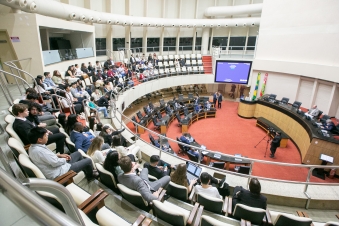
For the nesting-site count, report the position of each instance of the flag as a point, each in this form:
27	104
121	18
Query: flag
262	92
256	88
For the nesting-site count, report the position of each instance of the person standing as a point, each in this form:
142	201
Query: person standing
275	143
219	99
215	97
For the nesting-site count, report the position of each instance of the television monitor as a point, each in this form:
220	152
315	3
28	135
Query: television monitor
232	71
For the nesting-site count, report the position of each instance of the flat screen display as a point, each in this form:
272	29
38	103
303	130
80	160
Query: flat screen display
229	71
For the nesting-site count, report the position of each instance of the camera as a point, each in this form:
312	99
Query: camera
271	130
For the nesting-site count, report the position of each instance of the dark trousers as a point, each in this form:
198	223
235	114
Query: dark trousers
57	138
273	150
78	163
219	104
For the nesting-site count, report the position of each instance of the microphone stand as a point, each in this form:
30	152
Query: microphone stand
267	141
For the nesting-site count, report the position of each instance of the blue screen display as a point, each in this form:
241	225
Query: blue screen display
227	71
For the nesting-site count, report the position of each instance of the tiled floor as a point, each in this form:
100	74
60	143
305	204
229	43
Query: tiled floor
12	215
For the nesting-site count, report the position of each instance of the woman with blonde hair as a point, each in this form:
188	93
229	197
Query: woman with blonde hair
179	177
94	150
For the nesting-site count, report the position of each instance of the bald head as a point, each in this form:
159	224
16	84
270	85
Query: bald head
78	127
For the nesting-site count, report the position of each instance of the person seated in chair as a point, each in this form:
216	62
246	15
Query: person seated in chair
168	110
205	187
197	108
313	112
54	165
22	126
195	153
329	125
148	190
251	198
157	167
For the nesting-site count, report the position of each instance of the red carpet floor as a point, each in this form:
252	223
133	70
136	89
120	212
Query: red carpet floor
231	134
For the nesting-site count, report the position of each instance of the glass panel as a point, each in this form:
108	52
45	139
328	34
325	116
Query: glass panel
153	44
118	43
186	43
51	56
100	46
198	43
169	44
251	42
220	41
136	43
237	41
84	52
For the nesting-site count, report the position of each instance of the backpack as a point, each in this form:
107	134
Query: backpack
223	188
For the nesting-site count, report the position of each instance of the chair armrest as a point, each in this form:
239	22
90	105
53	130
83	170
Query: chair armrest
139	220
268	218
245	223
162	195
198	217
146	222
192	214
98	202
303	214
90	199
225	205
191	195
229	206
66	178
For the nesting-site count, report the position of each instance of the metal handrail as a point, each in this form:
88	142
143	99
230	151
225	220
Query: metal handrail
33	205
12	66
70	104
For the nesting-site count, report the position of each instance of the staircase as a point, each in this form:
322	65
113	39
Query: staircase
207	63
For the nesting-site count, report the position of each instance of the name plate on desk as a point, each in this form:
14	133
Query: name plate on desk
326	158
218	156
238	160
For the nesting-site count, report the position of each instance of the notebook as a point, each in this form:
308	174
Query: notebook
193	171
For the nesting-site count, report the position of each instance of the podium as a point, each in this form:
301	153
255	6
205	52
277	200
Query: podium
325	159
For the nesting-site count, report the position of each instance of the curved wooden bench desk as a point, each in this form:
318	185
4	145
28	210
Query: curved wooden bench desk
308	138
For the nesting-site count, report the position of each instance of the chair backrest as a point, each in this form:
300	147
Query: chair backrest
177	191
106	177
180	145
285	100
296	104
162	102
133	197
210	203
210	221
192	157
12	133
30	169
186	111
151	105
16	146
181	97
252	214
151	138
159	115
139	115
272	96
171	216
190	96
145	110
106	217
219	165
244	169
9	119
284	219
134	119
178	116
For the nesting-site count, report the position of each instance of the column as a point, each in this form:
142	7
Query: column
204	40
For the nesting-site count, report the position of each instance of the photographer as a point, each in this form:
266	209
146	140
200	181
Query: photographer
275	143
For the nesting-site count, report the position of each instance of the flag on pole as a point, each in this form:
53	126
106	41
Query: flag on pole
262	92
256	88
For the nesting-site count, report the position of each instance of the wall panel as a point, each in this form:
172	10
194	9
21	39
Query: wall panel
304	92
188	9
154	8
322	96
171	8
136	8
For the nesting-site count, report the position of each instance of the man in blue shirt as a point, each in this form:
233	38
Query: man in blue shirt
81	140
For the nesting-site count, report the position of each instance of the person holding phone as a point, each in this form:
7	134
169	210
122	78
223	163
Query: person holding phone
157	167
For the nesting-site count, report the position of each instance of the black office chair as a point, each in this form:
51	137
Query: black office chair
318	116
296	105
156	123
181	147
272	96
162	102
139	115
159	115
145	110
178	118
186	111
151	106
192	157
181	98
134	120
219	165
151	138
190	96
324	118
244	170
285	100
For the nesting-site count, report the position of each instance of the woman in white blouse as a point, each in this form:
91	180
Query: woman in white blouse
94	151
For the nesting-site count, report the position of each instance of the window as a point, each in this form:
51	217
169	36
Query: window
136	43
220	41
251	42
169	44
153	44
100	46
198	43
118	43
237	43
186	43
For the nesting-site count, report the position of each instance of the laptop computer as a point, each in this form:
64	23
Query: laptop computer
193	171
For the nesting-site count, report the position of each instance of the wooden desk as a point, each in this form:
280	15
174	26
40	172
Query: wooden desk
304	135
227	159
195	117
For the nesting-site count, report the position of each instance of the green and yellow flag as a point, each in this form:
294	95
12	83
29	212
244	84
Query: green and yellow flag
256	88
262	92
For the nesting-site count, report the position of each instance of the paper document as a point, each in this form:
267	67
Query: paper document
236	159
217	156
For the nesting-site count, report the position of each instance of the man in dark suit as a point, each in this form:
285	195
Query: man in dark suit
157	167
22	126
275	143
148	190
251	198
215	97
